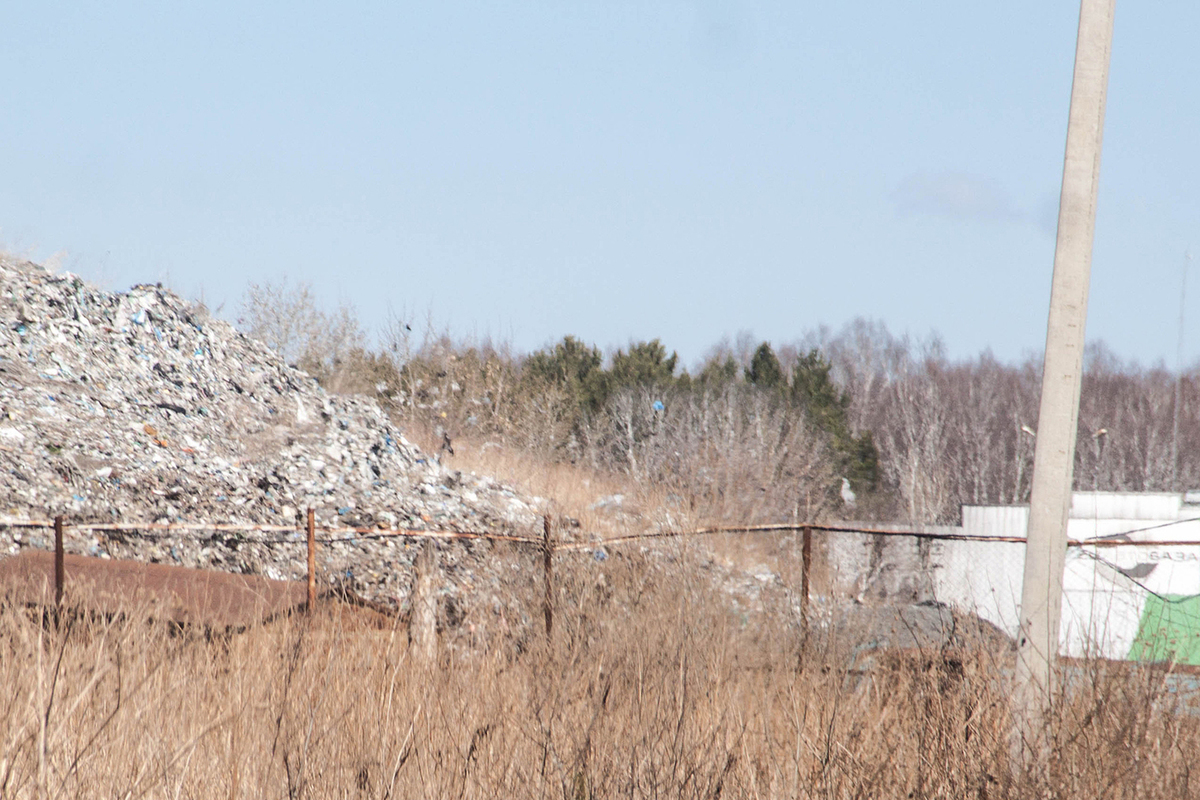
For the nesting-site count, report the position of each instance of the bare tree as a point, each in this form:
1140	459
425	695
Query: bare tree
734	452
288	319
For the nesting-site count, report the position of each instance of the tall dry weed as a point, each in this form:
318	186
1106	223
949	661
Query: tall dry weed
651	687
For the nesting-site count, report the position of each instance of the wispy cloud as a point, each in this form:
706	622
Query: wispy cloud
956	195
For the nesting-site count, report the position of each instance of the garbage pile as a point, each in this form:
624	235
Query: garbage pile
140	407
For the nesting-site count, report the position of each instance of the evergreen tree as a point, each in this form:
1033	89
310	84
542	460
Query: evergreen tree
814	391
646	364
718	373
573	366
764	370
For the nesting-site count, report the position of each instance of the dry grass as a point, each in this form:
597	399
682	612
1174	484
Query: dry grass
653	685
574	488
651	688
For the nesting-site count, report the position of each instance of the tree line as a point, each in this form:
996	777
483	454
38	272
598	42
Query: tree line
762	431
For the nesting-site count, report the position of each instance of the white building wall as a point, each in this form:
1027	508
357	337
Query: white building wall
1104	588
983	578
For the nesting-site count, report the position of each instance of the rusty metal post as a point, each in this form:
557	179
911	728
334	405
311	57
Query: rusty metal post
60	572
805	567
548	569
312	561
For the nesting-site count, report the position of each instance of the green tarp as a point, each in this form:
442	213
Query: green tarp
1169	630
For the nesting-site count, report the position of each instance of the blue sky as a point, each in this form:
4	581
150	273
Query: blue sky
612	169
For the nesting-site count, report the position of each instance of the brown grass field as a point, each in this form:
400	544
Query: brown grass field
650	687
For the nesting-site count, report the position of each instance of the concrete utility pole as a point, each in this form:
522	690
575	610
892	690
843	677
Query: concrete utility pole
1187	260
1054	453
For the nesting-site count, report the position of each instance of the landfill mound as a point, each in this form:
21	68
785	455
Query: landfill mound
139	406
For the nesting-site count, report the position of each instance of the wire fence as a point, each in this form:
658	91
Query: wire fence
314	535
330	534
335	534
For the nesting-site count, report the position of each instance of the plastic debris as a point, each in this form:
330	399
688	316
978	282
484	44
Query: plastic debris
139	406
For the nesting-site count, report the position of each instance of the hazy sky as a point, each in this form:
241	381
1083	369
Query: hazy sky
610	168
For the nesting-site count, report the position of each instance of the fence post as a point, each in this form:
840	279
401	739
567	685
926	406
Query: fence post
805	567
60	572
422	630
312	561
548	570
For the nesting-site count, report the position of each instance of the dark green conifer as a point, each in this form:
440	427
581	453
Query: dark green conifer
814	391
645	364
764	370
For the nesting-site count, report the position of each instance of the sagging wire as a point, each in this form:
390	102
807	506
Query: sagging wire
1164	598
1159	526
